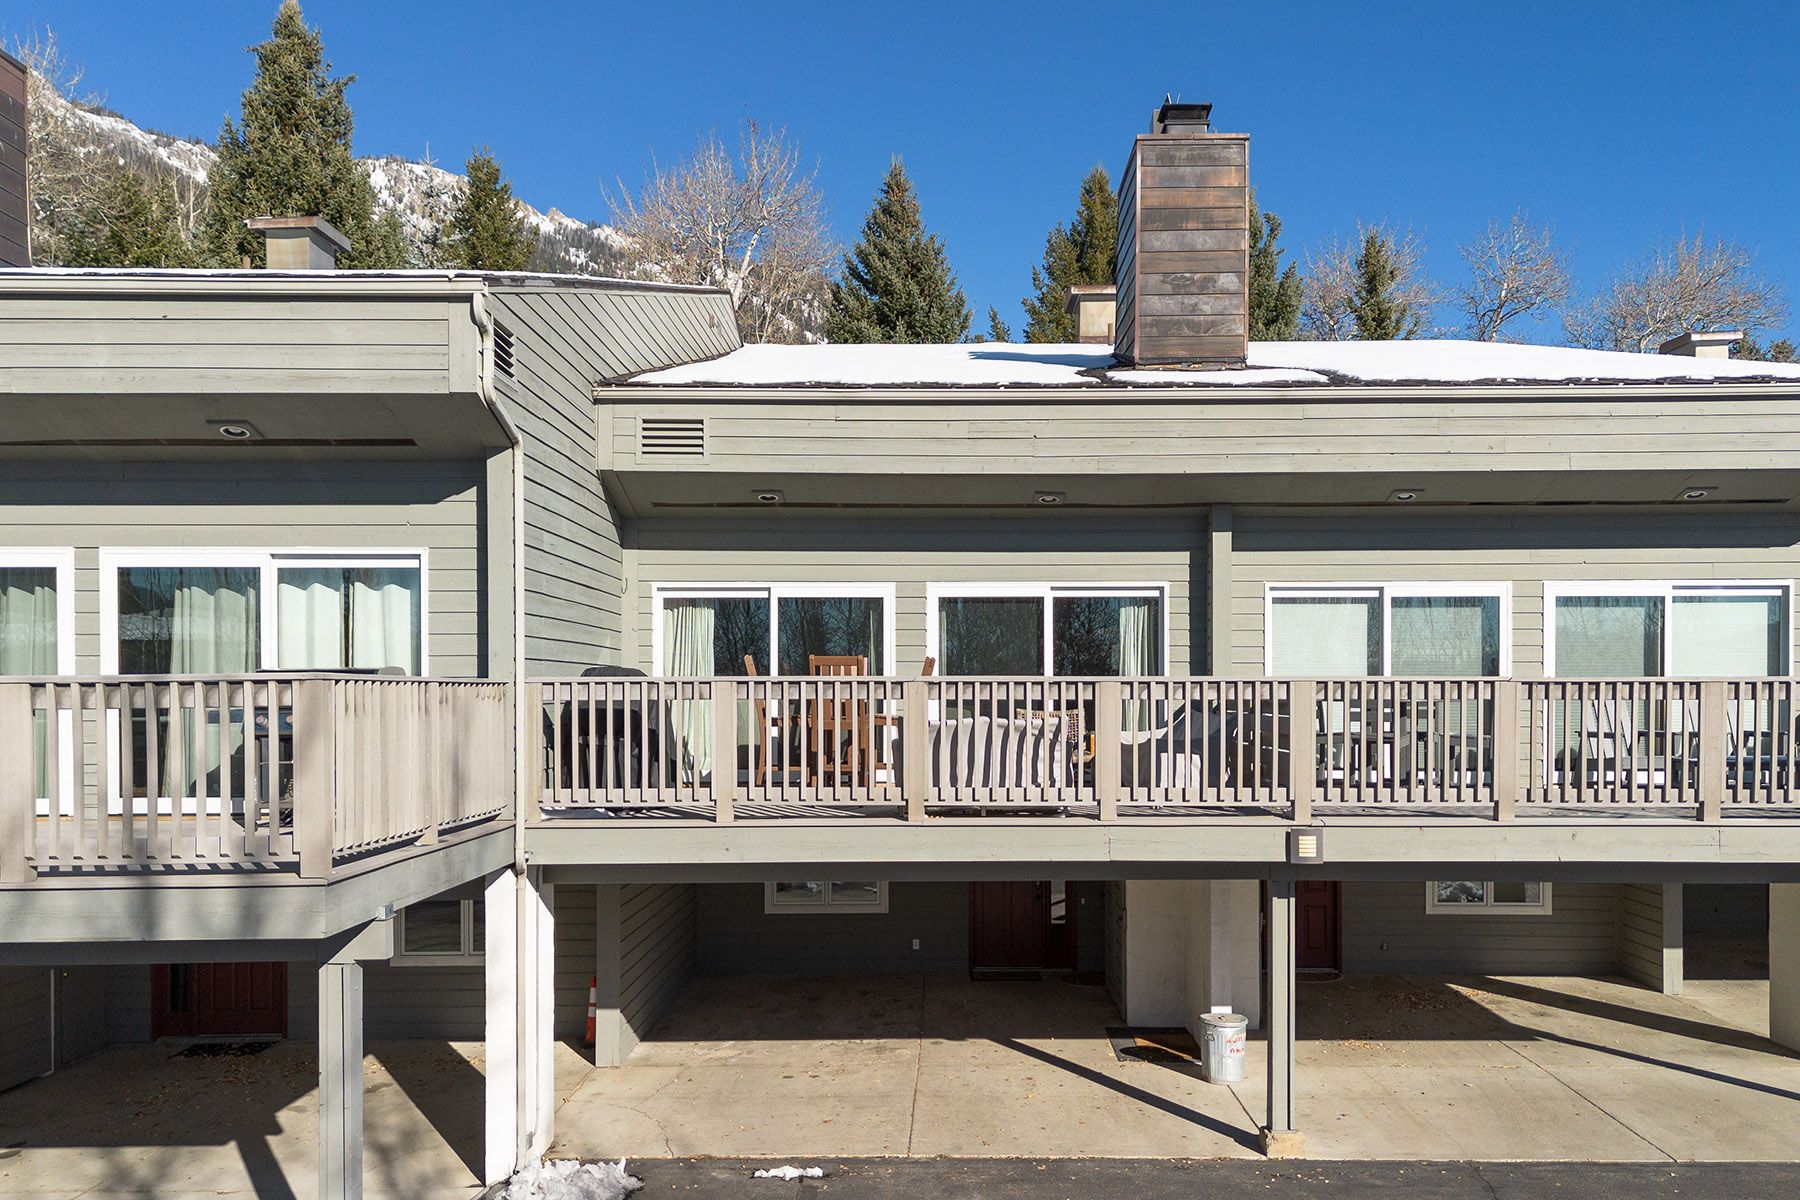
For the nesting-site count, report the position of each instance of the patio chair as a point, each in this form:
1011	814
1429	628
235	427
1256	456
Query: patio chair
834	727
771	734
631	731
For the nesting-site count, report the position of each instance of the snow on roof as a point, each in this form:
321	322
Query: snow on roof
336	275
1270	364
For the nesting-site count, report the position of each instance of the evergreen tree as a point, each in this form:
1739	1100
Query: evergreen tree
1781	351
897	285
1081	252
289	155
1382	310
1275	293
487	229
997	330
131	222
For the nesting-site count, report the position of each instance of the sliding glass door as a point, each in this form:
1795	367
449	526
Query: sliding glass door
1048	630
1410	630
1686	630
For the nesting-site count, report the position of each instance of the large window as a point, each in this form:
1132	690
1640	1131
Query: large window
37	637
206	612
820	896
1473	897
1629	630
711	630
1400	629
1043	629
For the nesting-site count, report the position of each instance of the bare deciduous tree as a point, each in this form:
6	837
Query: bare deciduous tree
1515	270
60	179
1690	286
1332	283
752	222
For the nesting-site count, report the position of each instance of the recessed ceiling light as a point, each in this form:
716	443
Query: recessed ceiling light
1405	495
236	431
1699	493
1048	497
769	496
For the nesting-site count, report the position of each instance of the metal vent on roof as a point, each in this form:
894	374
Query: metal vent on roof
672	437
503	350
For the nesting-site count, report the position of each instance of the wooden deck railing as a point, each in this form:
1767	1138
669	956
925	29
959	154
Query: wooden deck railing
295	773
1142	746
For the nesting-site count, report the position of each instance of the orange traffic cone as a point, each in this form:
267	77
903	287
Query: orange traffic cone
587	1038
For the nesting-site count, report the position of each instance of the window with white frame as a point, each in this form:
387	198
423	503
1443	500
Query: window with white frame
711	630
191	611
1400	629
441	933
37	637
1683	629
824	897
1059	630
1477	897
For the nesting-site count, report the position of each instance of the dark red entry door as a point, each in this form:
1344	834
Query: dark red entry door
219	999
1318	926
1021	927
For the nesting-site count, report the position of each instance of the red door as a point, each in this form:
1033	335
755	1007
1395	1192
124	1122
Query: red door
1021	928
1318	926
219	999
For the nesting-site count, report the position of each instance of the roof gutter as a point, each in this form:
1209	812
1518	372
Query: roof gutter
1193	394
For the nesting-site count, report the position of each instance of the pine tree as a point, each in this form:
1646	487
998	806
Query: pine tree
1081	252
289	155
132	222
897	285
1781	351
487	229
1275	293
997	330
1382	312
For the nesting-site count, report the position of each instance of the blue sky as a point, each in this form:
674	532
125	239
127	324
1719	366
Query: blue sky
1621	124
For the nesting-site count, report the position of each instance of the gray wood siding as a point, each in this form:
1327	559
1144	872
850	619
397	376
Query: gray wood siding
24	1024
1525	549
1114	432
15	232
1169	551
429	506
1729	908
566	341
738	938
254	336
1642	933
658	948
1386	928
1184	243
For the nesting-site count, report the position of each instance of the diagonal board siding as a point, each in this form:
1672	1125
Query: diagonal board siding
430	506
565	342
1386	928
24	1024
1525	549
913	552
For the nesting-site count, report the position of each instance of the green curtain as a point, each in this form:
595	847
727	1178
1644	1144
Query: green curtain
689	633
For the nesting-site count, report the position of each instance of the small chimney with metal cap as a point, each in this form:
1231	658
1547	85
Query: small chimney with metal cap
1183	263
1702	345
300	243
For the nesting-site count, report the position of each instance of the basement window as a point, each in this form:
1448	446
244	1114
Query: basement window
441	933
822	897
1477	898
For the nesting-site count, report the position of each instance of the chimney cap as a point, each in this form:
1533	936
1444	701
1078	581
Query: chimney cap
1701	344
1175	117
308	243
1090	293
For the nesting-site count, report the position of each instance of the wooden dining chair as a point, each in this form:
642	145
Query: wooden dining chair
768	728
833	727
837	664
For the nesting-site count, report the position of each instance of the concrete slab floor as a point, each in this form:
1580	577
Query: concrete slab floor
1389	1067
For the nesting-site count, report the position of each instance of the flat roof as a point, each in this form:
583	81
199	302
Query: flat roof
177	275
1270	364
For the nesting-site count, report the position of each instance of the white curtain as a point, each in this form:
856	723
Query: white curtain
1445	635
1139	638
689	630
363	618
213	622
28	643
1725	634
1608	637
1316	637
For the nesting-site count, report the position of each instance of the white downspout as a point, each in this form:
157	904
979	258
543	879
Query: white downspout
523	1078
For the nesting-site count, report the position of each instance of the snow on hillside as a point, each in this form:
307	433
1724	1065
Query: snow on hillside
420	192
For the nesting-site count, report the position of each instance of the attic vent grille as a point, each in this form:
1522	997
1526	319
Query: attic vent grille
672	437
503	350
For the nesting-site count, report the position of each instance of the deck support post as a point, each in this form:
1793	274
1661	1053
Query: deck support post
1109	711
723	696
1784	964
520	934
18	789
609	944
1712	750
915	746
1279	1137
340	1078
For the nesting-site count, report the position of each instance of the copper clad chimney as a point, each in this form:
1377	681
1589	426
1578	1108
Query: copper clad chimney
1183	264
15	216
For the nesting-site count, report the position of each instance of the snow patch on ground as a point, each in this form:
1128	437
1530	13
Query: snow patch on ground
571	1179
789	1173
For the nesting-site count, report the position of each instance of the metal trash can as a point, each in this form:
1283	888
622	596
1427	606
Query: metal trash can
1222	1051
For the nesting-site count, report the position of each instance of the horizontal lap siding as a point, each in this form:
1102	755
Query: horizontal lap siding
564	343
1520	548
236	344
1168	551
658	948
322	505
1641	932
738	938
1386	928
24	1024
1740	909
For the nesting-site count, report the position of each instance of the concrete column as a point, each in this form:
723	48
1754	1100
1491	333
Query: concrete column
340	1079
1279	1137
1784	964
521	1003
1224	952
